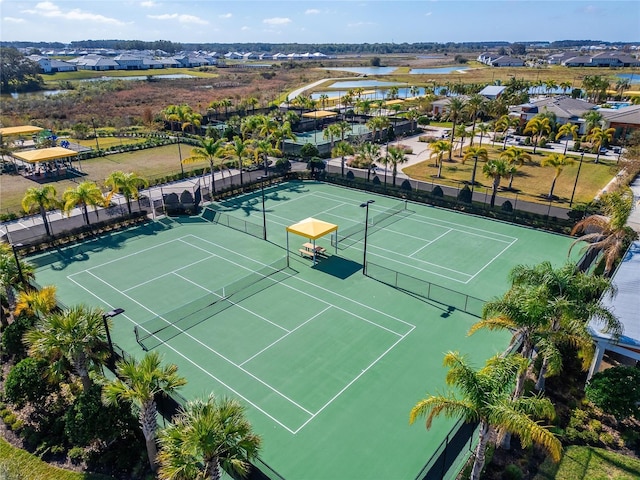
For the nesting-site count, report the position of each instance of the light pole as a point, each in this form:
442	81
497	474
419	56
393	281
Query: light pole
15	255
366	230
473	175
180	156
264	214
113	313
95	133
575	184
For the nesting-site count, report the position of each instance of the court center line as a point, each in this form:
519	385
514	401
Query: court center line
285	335
430	242
183	332
491	261
199	367
233	303
332	399
211	255
311	284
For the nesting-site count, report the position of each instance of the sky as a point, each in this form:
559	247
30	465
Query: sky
319	21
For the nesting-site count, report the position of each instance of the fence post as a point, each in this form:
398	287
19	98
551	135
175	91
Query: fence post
444	457
396	283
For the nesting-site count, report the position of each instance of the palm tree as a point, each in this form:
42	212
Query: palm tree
484	129
323	99
608	232
240	150
396	156
41	199
331	132
36	303
438	149
281	134
413	116
140	382
368	154
600	137
537	126
10	278
126	184
502	125
565	86
341	150
86	193
592	120
515	156
461	131
206	435
486	397
475	105
377	124
209	150
477	153
495	169
261	150
455	109
566	130
75	337
558	162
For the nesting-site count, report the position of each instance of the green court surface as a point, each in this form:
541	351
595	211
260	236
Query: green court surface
328	361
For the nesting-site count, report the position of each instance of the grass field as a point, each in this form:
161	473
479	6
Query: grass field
329	361
590	463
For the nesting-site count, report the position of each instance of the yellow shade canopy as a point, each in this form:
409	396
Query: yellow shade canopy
312	228
23	130
319	114
45	154
397	101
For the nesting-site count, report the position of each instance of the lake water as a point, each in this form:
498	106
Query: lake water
632	77
41	93
436	71
377	94
140	77
365	70
364	84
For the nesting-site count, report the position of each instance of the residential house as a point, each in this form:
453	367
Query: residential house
624	120
130	62
152	63
441	107
95	62
565	109
492	92
506	61
233	56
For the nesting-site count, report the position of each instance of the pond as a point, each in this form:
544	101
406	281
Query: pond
364	84
376	94
436	71
365	70
40	93
632	77
140	77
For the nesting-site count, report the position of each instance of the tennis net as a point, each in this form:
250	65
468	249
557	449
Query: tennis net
356	233
162	328
216	216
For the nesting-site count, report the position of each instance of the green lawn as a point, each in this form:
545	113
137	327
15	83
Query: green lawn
532	182
106	142
590	463
19	464
85	74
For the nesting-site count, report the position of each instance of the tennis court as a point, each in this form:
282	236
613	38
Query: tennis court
328	361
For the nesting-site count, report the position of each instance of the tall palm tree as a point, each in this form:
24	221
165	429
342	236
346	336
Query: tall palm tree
474	107
484	129
85	194
608	232
332	132
206	435
592	120
558	162
438	149
210	150
477	153
74	337
495	169
600	137
412	115
537	127
485	396
567	130
462	133
282	133
396	156
41	199
126	184
140	382
11	280
262	148
455	111
515	157
240	150
342	149
565	86
368	154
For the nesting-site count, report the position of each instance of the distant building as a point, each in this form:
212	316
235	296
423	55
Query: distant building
492	92
565	109
496	60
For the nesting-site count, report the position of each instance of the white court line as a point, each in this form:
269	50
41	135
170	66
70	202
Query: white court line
491	261
315	286
198	366
285	335
430	242
211	255
233	303
127	256
204	345
331	400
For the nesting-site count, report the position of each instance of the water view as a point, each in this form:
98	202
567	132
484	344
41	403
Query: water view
436	71
364	84
376	94
139	77
632	77
365	70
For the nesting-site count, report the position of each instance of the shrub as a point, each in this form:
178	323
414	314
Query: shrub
12	344
406	185
76	455
350	175
616	391
405	148
507	206
464	195
607	439
26	382
376	180
437	191
513	472
423	121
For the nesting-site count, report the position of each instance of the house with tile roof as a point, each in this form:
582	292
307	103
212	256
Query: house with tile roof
566	110
624	120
